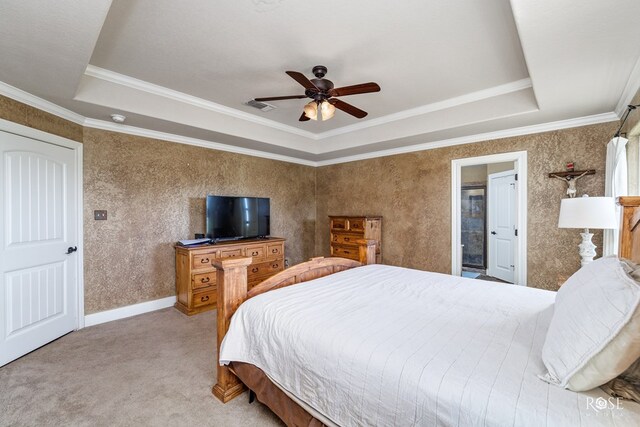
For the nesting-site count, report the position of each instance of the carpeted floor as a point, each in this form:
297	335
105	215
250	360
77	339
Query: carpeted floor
479	274
490	278
156	369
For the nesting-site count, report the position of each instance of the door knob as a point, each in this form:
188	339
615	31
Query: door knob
71	250
494	233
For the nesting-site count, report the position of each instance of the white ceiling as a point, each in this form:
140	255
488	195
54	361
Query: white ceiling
447	69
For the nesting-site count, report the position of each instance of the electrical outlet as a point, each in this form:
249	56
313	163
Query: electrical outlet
100	215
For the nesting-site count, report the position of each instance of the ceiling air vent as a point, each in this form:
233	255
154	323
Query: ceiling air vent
262	106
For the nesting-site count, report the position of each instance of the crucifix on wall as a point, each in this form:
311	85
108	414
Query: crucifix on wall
571	177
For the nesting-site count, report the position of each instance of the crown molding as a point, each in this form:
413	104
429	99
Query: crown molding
49	107
630	90
144	86
39	103
467	98
141	85
148	133
42	104
524	130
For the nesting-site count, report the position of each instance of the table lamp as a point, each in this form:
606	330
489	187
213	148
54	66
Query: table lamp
588	212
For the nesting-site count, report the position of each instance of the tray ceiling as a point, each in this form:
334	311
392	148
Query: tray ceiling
447	69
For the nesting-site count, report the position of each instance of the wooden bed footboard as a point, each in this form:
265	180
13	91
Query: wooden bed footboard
231	279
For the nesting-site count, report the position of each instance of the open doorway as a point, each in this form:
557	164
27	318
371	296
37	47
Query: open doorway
489	217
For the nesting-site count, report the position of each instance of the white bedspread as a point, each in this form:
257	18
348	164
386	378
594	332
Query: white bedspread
381	345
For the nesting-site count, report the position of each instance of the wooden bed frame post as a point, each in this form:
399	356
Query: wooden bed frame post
629	245
231	279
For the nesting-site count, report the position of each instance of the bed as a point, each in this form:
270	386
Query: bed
383	345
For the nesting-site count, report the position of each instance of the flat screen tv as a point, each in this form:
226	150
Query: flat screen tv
231	218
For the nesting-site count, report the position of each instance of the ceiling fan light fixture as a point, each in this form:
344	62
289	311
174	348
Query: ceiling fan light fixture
324	96
311	110
327	110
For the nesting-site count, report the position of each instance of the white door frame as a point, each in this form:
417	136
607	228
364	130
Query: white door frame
520	166
14	128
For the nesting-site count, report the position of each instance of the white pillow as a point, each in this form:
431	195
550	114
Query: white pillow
594	334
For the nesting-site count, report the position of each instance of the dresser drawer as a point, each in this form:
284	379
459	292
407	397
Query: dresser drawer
196	278
268	268
356	225
203	260
345	239
229	253
206	297
275	250
345	252
258	252
251	282
203	280
339	224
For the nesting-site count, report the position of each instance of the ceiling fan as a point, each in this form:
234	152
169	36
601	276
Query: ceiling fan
323	95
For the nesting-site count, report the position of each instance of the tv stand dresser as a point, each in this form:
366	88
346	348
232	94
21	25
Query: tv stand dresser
196	289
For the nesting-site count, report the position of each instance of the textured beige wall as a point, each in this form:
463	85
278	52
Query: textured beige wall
499	167
26	115
634	118
479	174
412	193
476	174
154	193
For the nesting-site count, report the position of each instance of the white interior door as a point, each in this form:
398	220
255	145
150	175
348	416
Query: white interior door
38	226
501	211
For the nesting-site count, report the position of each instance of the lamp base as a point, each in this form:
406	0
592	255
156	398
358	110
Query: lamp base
587	248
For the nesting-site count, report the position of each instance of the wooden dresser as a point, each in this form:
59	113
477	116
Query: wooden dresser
196	277
346	230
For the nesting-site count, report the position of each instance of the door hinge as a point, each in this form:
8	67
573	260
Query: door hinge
516	230
516	177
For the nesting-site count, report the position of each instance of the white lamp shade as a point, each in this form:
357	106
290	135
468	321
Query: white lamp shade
327	110
588	212
311	110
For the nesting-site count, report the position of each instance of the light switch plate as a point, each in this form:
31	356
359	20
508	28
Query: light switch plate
100	215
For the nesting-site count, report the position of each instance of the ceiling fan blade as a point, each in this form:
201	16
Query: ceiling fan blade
348	108
303	118
355	89
300	78
280	98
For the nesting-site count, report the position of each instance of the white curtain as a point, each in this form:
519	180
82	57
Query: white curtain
615	186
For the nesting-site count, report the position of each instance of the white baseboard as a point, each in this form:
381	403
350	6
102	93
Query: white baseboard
128	311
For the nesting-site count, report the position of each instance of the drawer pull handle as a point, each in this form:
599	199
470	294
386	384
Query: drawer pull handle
356	225
346	239
204	261
254	253
205	279
346	252
204	298
274	265
274	251
255	269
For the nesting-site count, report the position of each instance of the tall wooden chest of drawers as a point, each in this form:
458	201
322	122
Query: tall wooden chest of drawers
346	230
196	289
